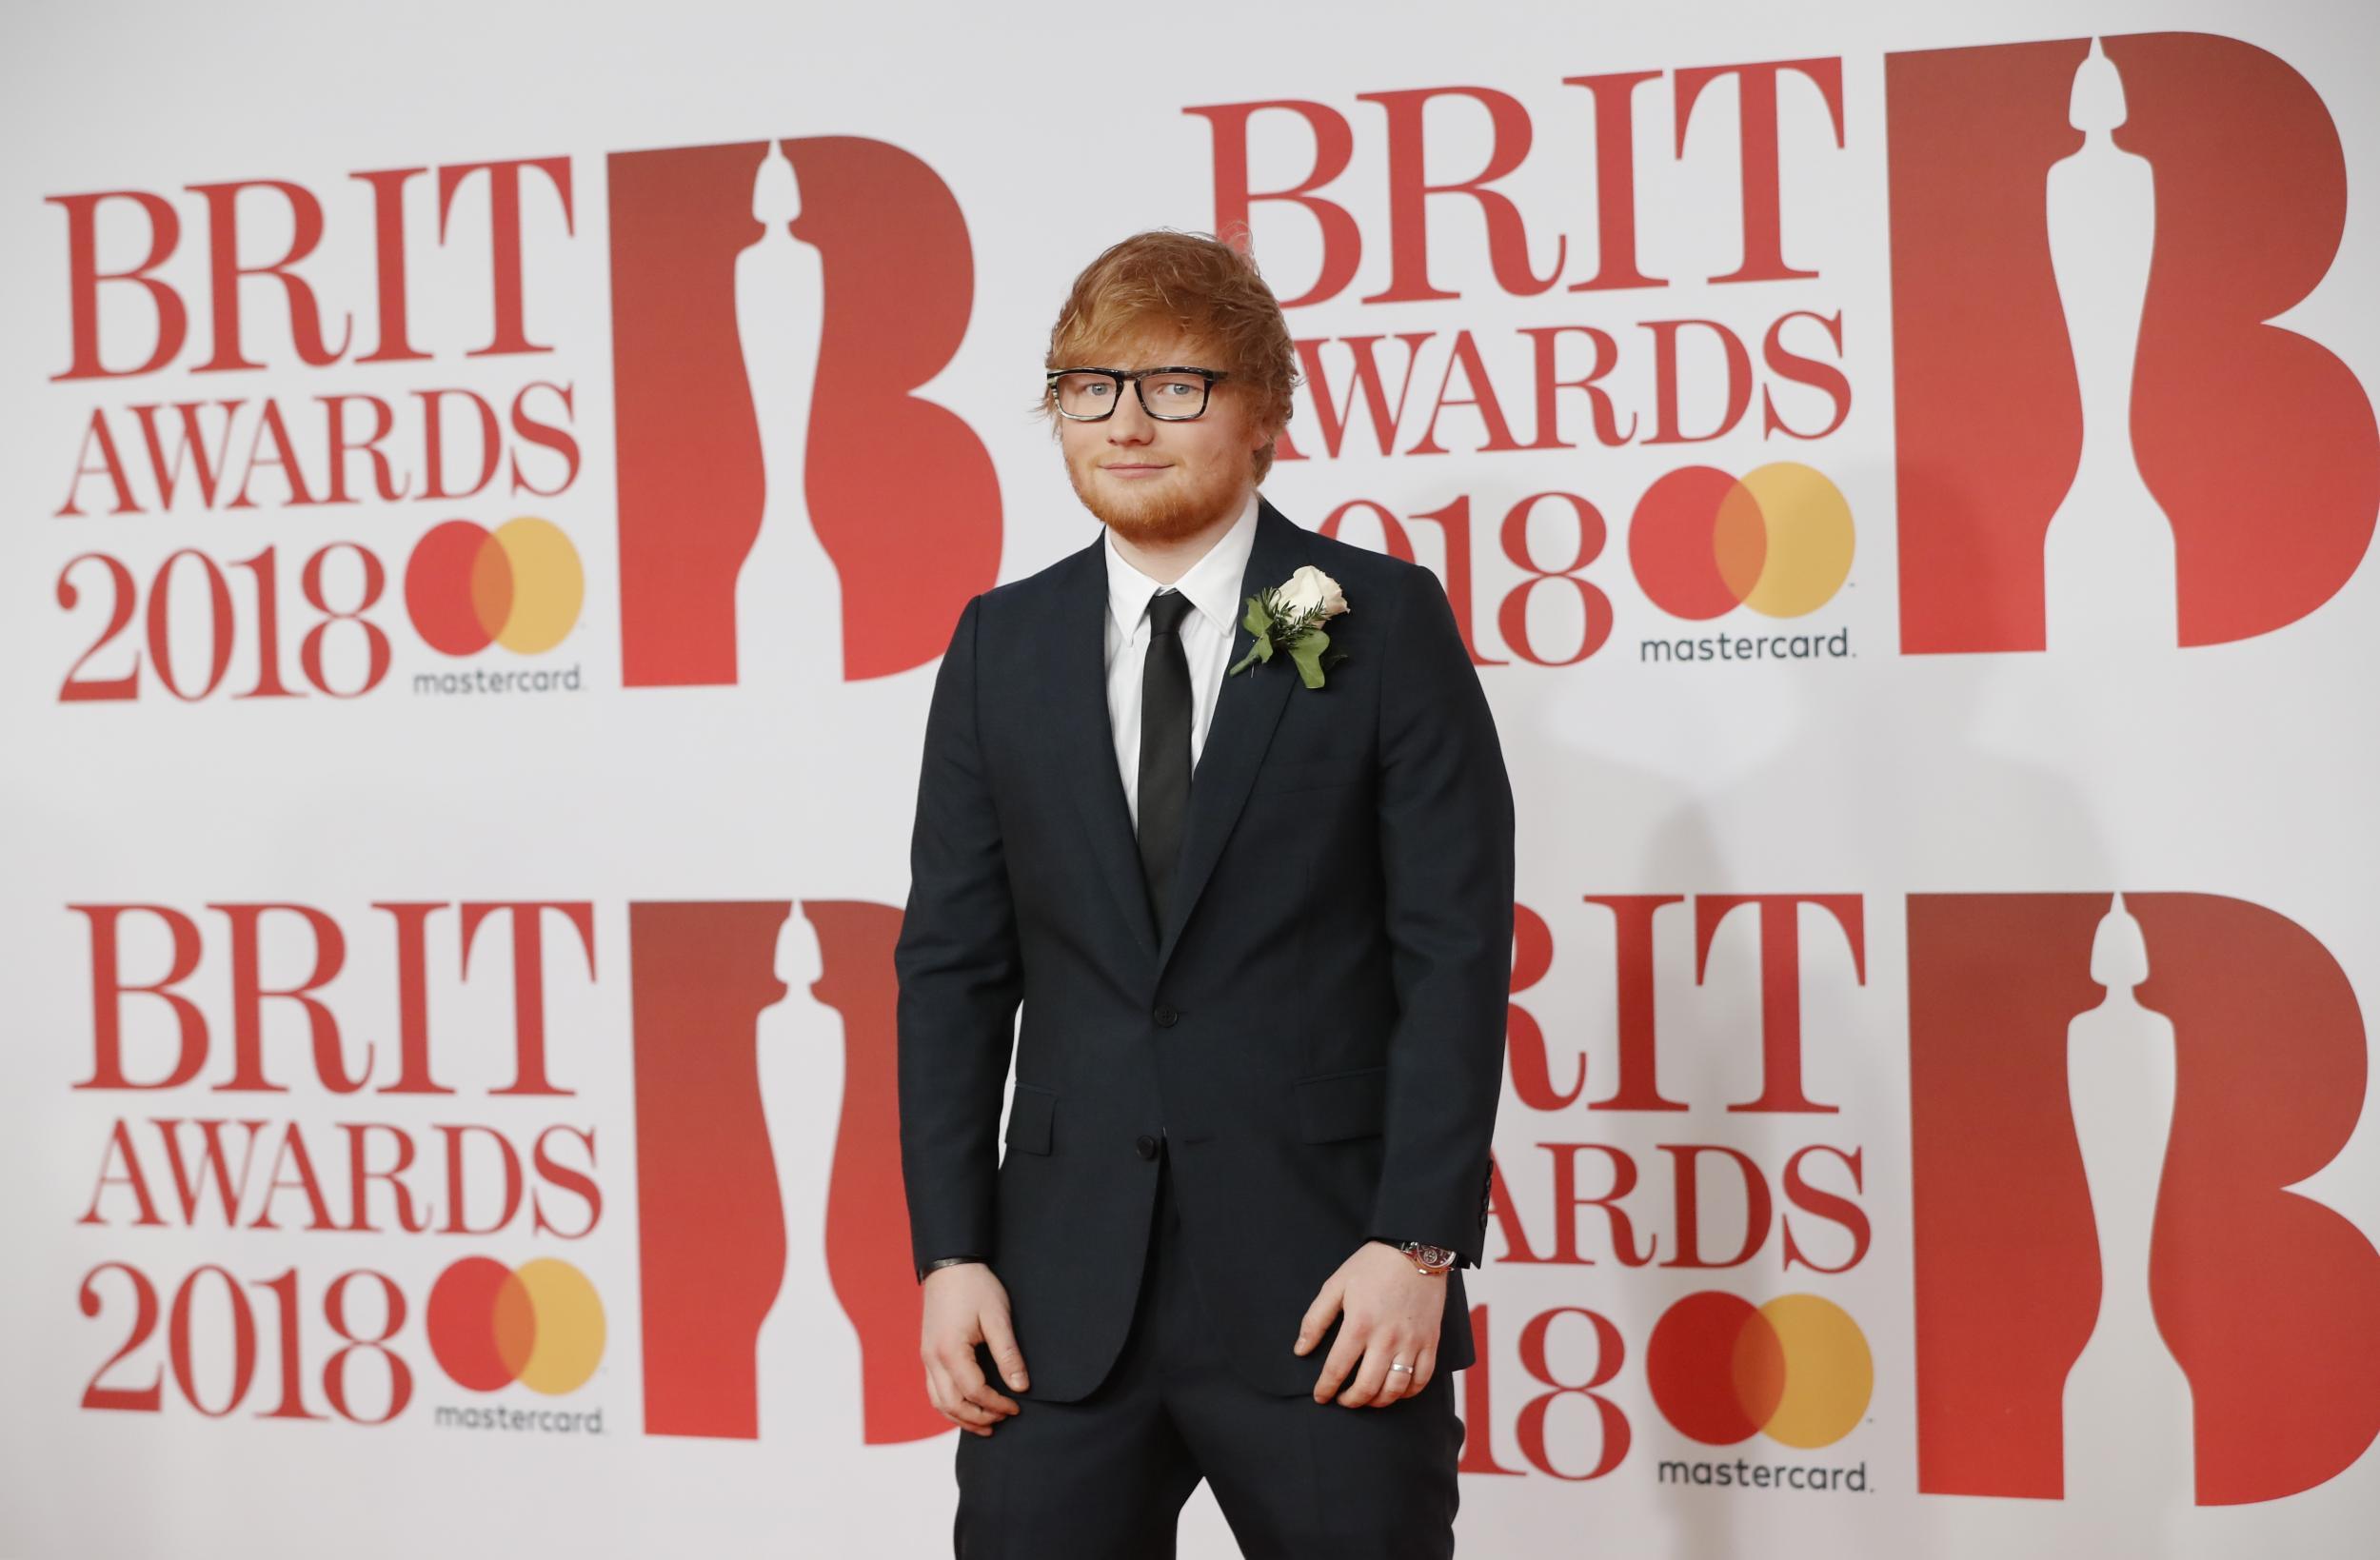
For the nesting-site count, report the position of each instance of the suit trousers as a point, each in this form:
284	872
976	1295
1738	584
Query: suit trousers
1105	1478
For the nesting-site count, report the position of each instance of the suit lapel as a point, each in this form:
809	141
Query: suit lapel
1247	708
1084	740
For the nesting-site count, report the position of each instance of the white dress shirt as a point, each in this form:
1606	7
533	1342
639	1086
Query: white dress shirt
1213	585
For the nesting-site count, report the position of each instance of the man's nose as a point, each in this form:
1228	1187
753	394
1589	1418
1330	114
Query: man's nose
1130	423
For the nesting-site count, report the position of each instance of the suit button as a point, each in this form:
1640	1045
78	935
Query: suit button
1146	1145
1165	1018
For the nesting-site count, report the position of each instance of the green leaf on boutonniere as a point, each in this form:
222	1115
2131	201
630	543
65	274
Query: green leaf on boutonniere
1307	651
1257	621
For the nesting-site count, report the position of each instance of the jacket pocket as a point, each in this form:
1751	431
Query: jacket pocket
1029	1115
1337	1105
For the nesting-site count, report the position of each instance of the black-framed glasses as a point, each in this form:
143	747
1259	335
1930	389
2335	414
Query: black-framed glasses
1174	394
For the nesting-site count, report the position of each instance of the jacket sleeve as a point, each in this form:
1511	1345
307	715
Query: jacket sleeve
1446	857
959	973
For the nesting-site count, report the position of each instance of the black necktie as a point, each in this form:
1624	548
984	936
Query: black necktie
1164	800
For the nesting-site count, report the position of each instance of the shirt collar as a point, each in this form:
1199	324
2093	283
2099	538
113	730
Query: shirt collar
1212	582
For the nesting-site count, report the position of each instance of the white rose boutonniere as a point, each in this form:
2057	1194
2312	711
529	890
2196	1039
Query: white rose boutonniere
1289	619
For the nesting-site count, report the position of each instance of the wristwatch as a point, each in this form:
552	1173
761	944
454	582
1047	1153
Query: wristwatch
1433	1260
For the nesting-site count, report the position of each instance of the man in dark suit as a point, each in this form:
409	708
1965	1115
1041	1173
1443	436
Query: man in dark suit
1258	912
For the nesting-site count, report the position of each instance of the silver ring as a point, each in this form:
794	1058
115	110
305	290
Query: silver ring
1401	1366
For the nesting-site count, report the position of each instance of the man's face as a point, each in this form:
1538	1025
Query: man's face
1159	481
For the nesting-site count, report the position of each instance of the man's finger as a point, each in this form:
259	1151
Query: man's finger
973	1386
1393	1383
944	1394
977	1387
990	1398
1002	1339
942	1373
1343	1356
1401	1385
1316	1321
1367	1383
971	1425
1397	1384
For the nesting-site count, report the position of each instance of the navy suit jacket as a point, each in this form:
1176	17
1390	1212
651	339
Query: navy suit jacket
1317	1030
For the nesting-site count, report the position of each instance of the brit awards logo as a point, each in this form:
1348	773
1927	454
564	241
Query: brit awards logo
2119	1287
773	1236
788	500
2102	438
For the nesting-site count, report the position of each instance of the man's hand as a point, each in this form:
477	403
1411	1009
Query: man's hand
1394	1310
966	1304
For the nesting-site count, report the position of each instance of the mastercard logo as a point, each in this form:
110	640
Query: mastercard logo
540	1324
1797	1368
519	586
1778	540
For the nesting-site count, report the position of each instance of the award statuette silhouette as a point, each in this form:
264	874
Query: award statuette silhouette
788	594
768	1176
2127	1406
805	1359
2108	564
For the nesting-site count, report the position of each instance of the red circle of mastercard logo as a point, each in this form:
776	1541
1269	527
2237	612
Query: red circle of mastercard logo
519	586
540	1324
1778	540
1797	1368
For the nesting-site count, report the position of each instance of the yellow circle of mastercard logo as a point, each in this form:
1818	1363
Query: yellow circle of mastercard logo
541	1325
519	586
1797	1368
1778	540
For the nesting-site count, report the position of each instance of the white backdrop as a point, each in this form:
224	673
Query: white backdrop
1815	1178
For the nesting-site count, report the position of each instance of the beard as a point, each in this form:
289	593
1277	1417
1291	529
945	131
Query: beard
1180	510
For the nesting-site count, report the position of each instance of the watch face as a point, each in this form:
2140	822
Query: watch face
1433	1256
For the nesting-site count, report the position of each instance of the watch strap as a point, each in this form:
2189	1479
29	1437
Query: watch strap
948	1262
